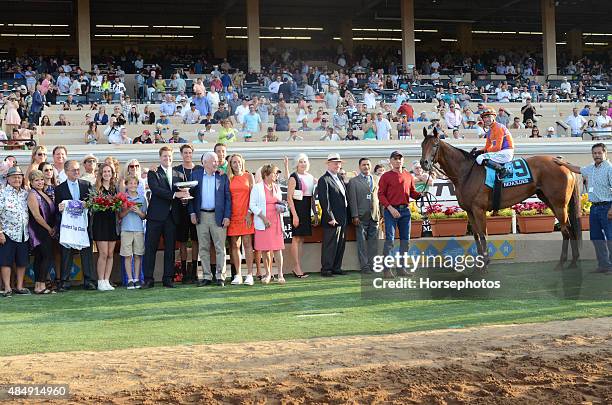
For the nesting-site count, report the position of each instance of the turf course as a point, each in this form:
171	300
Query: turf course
313	307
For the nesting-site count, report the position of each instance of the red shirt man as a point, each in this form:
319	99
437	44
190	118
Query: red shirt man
396	186
407	109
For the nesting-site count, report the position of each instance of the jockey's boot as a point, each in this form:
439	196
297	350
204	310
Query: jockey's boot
499	168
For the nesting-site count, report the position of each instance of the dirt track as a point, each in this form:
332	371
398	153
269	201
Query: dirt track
567	362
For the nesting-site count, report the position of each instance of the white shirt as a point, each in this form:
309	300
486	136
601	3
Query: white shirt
603	120
340	185
383	129
241	111
168	172
452	119
273	87
575	123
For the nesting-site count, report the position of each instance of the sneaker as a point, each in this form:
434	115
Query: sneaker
108	285
249	280
101	285
237	280
130	285
137	285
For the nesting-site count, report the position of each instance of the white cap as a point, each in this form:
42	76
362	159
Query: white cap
551	129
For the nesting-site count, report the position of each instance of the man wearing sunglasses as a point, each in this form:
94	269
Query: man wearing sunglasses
90	162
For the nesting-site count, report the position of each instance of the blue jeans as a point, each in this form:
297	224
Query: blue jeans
403	224
601	235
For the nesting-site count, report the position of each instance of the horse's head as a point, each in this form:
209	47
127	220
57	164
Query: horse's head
429	147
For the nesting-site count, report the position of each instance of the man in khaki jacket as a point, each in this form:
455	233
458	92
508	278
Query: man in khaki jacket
365	212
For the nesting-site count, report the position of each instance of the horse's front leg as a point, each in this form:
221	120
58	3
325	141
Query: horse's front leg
478	221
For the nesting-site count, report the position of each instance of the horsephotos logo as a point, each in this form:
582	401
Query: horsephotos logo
411	263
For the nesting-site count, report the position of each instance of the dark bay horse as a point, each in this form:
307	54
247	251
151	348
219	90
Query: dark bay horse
555	185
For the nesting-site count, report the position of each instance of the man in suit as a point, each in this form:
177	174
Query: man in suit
334	206
163	216
210	210
365	211
75	189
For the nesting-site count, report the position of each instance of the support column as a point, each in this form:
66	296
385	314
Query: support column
253	42
219	41
549	36
347	37
408	44
84	34
464	38
574	43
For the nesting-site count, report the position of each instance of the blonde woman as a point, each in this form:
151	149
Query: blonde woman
39	155
300	191
104	227
241	228
132	168
266	206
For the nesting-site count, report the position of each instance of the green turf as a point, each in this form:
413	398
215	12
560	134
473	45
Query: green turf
313	307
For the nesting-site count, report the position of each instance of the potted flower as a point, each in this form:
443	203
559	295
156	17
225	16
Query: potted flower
416	222
447	221
501	223
534	217
585	211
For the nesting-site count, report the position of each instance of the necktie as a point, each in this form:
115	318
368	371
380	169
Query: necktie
74	190
370	183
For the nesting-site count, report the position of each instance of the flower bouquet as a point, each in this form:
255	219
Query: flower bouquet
98	202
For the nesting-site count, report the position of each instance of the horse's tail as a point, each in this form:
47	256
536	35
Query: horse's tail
574	212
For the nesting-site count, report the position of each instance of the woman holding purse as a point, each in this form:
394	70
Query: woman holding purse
267	207
300	191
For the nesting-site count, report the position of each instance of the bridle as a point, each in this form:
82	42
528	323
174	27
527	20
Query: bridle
426	196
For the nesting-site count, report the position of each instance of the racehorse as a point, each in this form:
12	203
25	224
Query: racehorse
555	185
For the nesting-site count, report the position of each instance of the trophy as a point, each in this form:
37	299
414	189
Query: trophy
185	186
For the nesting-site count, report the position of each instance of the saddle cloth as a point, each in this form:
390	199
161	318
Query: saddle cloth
518	174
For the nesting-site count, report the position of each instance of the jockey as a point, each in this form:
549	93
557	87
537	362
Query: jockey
499	148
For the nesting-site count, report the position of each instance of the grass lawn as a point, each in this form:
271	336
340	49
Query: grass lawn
313	307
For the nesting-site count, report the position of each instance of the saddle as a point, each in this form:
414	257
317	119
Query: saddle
517	173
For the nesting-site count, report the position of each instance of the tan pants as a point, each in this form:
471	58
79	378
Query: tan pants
207	230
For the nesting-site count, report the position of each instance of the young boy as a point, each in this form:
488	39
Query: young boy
132	232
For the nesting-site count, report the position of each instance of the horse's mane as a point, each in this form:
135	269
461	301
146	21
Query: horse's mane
466	155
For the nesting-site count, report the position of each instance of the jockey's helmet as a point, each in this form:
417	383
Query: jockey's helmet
488	111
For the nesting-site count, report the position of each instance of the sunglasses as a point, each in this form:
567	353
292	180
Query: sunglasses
90	161
48	170
41	154
133	166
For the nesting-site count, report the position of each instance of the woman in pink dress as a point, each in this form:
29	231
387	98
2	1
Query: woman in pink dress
267	207
12	119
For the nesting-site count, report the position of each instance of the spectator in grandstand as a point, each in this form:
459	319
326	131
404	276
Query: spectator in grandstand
222	113
144	138
45	121
251	123
270	136
516	123
453	117
404	132
535	132
576	122
382	127
550	132
528	111
101	118
176	138
604	122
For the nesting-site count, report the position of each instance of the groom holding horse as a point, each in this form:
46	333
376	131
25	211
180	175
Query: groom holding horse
499	148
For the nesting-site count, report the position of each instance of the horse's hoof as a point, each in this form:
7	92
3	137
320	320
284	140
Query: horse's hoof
558	267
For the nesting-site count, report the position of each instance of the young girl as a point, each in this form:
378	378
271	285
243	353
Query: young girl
132	232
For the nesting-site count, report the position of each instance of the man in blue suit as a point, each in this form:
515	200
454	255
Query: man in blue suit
210	211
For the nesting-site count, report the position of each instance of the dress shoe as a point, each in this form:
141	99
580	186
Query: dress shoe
204	283
220	283
90	287
327	274
147	284
601	270
169	285
338	273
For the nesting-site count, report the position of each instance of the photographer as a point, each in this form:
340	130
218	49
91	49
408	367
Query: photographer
113	130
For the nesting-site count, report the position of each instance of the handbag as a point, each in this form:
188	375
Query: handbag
282	207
